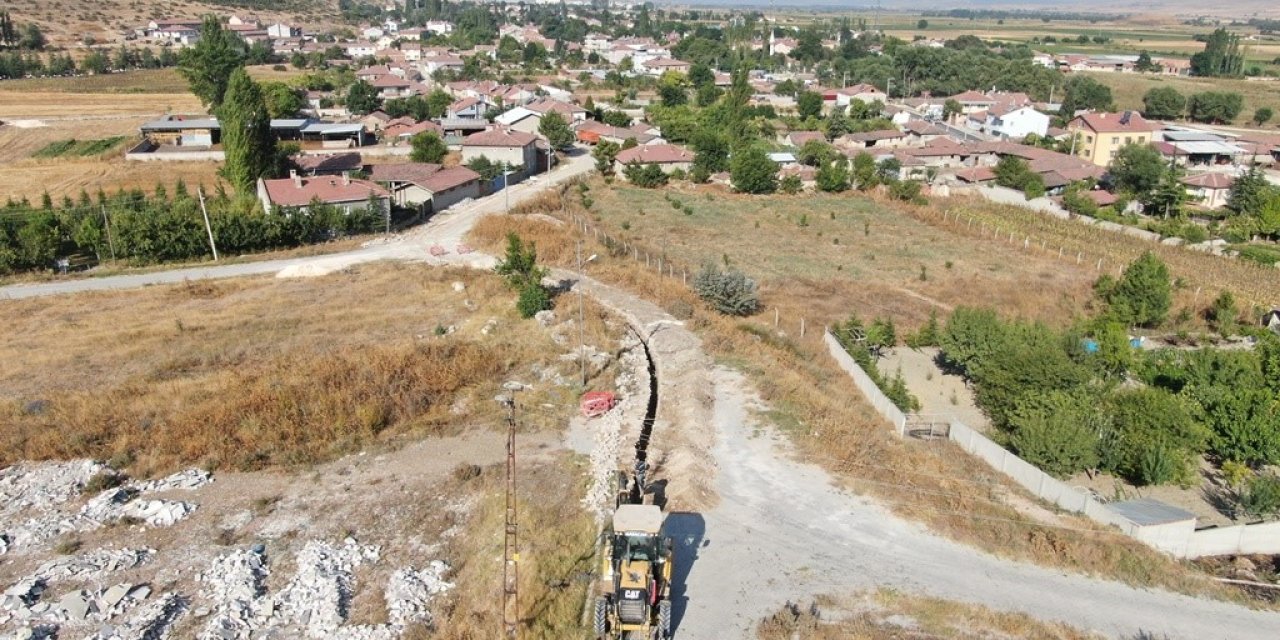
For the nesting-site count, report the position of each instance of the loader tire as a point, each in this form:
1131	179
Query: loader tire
664	620
600	618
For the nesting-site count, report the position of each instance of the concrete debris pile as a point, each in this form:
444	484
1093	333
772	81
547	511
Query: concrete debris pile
185	480
318	598
30	495
92	565
152	621
411	591
37	501
23	602
633	377
235	583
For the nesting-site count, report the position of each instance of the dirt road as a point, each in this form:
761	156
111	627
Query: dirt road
782	532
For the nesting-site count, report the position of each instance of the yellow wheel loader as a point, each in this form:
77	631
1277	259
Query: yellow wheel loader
634	601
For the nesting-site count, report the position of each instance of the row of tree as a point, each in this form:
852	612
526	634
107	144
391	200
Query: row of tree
1212	107
166	226
16	36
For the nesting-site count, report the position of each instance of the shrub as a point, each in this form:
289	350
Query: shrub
729	292
1057	431
1261	497
533	298
1153	438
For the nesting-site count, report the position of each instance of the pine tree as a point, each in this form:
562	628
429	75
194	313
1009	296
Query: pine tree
208	66
246	133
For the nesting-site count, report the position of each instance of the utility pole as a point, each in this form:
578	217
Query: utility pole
506	185
207	227
106	224
511	550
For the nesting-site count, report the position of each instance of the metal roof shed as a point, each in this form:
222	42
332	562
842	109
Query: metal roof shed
1160	525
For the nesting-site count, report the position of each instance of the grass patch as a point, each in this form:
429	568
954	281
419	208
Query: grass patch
1264	255
78	148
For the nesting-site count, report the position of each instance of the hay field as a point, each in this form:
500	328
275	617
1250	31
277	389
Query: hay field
258	372
1128	89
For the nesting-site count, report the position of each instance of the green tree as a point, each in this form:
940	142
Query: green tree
1137	169
833	176
710	150
605	153
649	175
1262	115
1153	438
729	292
1143	294
922	24
1215	107
865	173
951	108
519	268
1057	431
815	153
246	134
1085	93
751	171
362	98
1145	64
556	130
207	67
282	100
809	104
1250	192
428	147
1221	55
1163	103
1223	313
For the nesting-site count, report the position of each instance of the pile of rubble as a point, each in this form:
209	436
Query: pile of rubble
34	498
410	593
318	598
235	584
152	621
23	602
633	377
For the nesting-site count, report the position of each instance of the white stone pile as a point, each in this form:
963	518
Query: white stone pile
152	621
235	583
317	600
92	565
410	592
185	480
23	602
34	497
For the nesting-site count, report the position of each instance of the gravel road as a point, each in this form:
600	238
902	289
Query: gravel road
782	532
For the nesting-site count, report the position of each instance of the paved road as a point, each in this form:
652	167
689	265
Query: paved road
448	229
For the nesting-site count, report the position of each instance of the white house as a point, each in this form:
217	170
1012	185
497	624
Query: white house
1015	124
440	27
282	30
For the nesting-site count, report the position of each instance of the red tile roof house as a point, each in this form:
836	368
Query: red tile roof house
667	156
515	148
343	192
1210	190
402	132
428	187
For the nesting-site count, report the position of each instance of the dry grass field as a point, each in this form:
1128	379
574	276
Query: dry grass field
889	614
263	372
1128	89
67	22
810	398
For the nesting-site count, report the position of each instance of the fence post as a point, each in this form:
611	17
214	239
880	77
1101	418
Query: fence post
801	327
775	317
1099	267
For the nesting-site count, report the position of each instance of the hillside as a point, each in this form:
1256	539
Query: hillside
69	22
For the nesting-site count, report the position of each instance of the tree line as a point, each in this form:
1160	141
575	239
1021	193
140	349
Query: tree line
166	226
16	36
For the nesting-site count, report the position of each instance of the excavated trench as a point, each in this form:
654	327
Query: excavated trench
641	467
